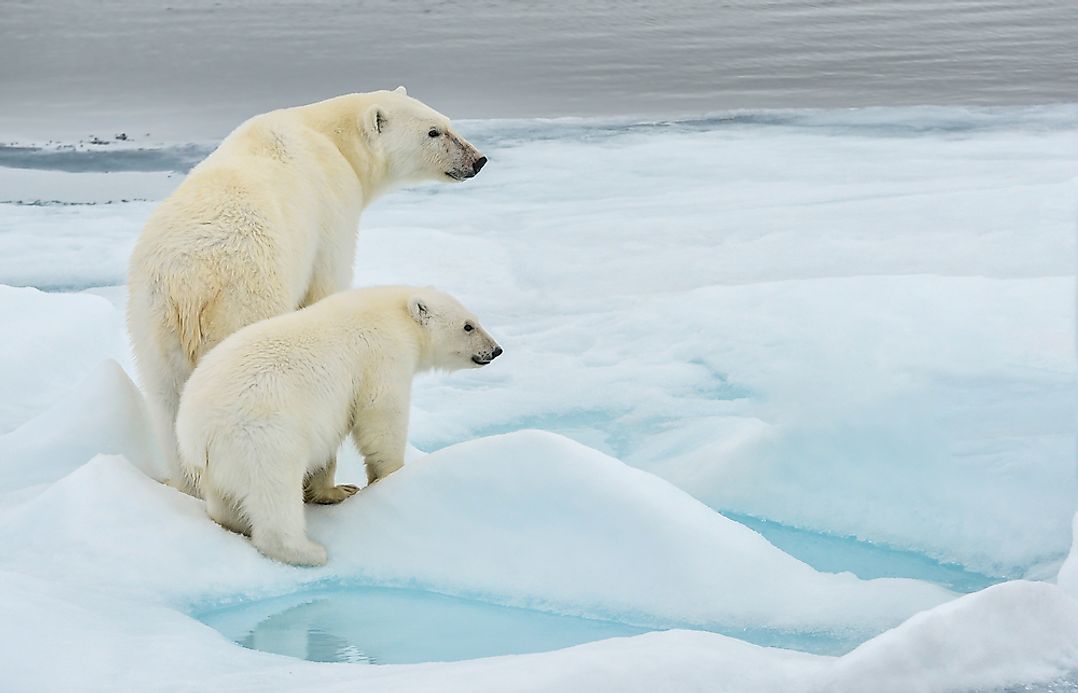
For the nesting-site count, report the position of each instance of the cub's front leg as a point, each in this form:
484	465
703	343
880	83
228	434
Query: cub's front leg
319	487
380	435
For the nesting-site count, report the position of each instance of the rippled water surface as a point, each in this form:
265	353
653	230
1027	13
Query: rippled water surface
174	67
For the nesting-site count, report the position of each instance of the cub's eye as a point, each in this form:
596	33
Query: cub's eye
468	327
433	133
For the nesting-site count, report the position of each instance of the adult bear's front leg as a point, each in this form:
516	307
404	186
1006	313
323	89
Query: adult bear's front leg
319	487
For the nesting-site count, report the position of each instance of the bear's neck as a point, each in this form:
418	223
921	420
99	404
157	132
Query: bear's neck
424	359
338	120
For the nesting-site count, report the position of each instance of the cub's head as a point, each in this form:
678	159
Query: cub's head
419	143
455	338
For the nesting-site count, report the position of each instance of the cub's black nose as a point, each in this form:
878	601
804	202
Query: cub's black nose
496	353
479	164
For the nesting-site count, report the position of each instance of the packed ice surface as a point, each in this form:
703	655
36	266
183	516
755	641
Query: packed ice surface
857	324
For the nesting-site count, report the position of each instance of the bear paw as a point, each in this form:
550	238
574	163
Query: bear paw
303	552
329	496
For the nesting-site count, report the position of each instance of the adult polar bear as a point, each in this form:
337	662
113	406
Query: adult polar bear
267	224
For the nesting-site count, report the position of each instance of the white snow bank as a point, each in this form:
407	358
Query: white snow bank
1013	633
51	342
526	519
103	414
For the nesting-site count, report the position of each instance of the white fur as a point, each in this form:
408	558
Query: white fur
266	409
267	223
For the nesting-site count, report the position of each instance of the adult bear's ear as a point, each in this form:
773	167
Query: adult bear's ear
418	309
401	90
374	120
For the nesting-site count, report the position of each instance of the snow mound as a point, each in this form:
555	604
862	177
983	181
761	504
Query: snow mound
1009	634
576	530
51	341
527	519
76	428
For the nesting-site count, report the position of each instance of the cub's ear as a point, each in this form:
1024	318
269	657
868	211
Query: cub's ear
418	308
401	90
374	120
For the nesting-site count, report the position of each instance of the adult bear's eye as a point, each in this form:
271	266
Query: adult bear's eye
433	133
468	327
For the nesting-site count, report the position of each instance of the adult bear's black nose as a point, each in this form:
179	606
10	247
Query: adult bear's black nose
479	164
496	353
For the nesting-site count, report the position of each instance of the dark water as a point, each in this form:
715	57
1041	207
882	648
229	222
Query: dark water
201	65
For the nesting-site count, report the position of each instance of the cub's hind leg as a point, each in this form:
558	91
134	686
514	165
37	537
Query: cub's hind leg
274	507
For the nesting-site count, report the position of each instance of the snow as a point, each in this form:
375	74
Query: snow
77	428
51	343
1023	631
604	540
856	324
1016	631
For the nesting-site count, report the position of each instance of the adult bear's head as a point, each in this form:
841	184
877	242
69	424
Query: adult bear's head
419	143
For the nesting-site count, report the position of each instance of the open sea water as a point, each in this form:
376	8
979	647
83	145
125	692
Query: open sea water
198	67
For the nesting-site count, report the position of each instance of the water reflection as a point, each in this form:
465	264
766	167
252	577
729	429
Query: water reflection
396	626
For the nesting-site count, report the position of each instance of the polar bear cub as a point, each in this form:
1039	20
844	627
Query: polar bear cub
266	410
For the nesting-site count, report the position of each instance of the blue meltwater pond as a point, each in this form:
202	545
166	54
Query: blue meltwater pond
378	625
383	625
